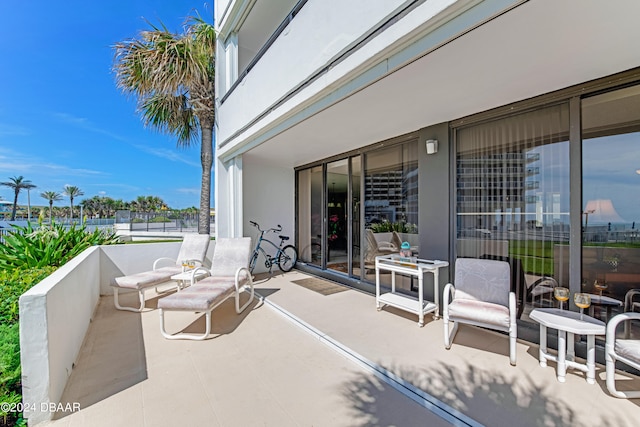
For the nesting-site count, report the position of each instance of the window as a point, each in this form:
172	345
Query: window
512	197
611	205
390	202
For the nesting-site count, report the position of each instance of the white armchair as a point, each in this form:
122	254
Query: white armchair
626	351
482	297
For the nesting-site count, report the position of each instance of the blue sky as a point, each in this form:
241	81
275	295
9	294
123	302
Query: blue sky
62	119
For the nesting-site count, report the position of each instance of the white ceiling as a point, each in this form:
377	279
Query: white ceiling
539	47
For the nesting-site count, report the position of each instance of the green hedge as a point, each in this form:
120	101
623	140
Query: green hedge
400	227
12	285
26	258
15	283
10	372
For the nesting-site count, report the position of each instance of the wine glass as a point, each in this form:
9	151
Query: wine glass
185	264
561	294
582	301
601	286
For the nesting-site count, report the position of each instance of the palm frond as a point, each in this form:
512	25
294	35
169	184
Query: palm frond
171	115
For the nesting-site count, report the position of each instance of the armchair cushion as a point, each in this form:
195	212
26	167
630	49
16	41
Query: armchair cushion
629	349
470	311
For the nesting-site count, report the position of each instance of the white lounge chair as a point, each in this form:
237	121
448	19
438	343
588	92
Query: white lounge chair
194	248
481	297
626	351
229	277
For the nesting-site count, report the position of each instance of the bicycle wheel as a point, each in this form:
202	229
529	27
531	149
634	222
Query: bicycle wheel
288	258
252	263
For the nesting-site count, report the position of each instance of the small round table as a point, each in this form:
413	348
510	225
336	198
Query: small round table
568	323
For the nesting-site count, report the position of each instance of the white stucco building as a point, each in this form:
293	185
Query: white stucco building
324	108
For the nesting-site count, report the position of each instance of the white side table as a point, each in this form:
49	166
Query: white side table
568	324
410	266
184	279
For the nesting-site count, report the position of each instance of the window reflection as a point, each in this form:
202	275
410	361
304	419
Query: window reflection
512	199
611	206
390	204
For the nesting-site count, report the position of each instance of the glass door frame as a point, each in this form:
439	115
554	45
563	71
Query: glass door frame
349	203
325	213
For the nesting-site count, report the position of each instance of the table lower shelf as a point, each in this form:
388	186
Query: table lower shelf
407	303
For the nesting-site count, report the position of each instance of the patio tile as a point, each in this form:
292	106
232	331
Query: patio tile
474	376
257	369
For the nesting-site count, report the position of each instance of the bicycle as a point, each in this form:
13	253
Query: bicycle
285	257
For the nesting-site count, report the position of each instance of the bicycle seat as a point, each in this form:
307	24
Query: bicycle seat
284	237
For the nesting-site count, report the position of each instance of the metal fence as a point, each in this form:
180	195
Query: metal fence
158	221
4	232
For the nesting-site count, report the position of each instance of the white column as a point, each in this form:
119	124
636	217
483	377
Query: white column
235	197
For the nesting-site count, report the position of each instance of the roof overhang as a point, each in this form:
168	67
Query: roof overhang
537	47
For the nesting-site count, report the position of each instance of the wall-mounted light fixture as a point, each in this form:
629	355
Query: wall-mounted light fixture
432	146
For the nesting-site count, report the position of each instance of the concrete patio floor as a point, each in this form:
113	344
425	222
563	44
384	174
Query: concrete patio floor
262	368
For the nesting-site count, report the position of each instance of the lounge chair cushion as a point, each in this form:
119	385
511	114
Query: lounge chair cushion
199	297
472	311
243	279
629	349
147	278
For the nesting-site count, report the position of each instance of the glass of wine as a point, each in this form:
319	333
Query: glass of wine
185	264
601	286
561	294
582	301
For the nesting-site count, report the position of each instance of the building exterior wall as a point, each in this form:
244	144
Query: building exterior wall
268	200
345	79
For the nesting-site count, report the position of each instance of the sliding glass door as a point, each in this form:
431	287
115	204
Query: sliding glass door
329	215
513	198
611	205
310	215
337	214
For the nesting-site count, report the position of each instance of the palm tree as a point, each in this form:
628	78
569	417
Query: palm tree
172	77
51	196
17	183
72	192
29	188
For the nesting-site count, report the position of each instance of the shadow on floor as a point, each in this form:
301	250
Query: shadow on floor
493	398
102	368
224	319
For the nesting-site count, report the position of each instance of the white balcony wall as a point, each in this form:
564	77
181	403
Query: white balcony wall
299	53
220	7
54	318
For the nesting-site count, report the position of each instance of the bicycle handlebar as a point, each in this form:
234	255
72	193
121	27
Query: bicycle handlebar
255	224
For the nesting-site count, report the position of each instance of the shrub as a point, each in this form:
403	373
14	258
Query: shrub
400	227
13	284
10	386
160	219
49	246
